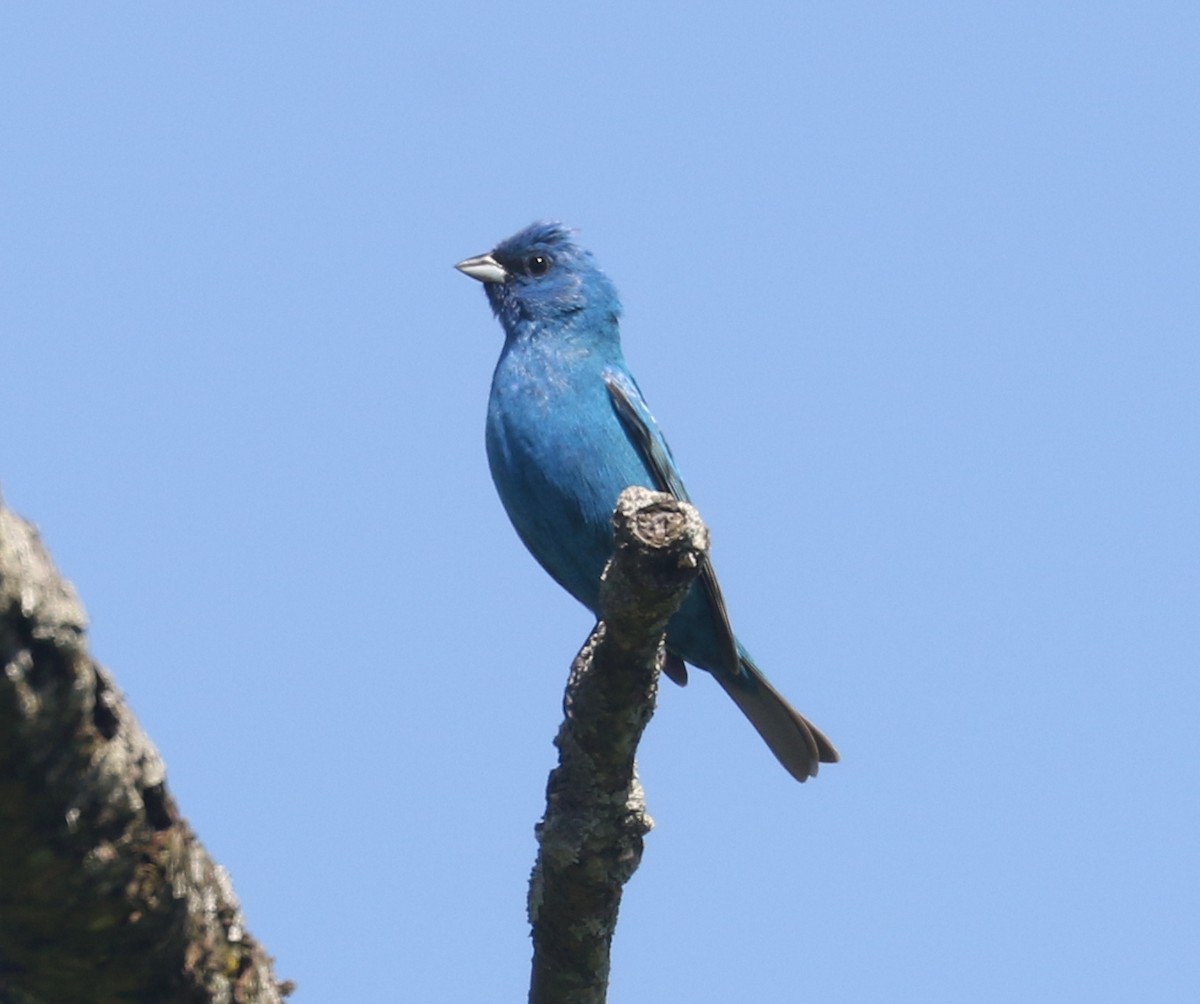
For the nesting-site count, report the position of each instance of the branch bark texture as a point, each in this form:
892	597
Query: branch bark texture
106	895
590	839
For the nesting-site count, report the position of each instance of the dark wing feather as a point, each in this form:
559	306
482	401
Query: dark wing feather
643	431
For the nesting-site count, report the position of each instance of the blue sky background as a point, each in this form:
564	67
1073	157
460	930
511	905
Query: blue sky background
913	289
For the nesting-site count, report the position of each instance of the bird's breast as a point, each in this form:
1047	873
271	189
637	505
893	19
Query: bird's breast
560	458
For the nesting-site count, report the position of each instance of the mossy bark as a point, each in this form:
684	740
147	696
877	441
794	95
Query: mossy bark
106	895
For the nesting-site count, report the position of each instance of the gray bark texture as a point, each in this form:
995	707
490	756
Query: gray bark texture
590	839
106	895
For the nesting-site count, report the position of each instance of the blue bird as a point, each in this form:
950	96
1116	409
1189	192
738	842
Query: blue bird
568	430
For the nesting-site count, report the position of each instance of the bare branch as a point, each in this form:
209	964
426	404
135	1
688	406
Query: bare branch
590	840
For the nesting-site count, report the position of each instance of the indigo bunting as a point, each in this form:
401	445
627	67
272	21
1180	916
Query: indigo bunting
568	430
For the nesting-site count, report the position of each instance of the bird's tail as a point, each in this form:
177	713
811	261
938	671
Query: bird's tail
796	742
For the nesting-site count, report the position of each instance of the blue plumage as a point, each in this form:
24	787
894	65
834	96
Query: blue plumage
568	429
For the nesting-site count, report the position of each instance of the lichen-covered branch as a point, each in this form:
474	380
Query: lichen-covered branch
590	840
106	895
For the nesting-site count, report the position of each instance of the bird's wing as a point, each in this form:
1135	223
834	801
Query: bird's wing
648	440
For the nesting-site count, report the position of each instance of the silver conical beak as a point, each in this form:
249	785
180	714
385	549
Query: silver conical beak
483	267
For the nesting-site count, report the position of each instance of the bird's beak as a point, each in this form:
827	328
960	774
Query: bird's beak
483	267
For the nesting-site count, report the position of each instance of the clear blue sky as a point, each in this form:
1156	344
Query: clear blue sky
914	291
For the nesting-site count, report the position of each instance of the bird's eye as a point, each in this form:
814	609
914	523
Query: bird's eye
538	264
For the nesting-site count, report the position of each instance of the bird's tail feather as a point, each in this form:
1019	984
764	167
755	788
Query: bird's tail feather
797	744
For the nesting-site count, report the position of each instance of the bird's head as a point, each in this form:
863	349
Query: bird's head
542	276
